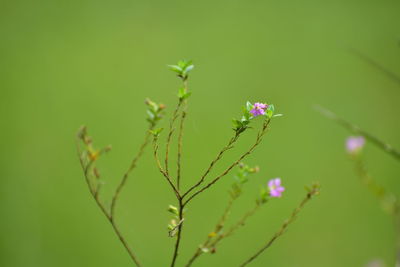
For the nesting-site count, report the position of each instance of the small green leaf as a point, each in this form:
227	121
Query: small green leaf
174	210
188	69
176	68
187	95
156	132
249	106
270	111
182	92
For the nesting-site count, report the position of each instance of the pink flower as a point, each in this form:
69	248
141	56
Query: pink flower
258	109
354	144
275	188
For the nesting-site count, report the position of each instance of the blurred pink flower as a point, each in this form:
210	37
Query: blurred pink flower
275	188
354	144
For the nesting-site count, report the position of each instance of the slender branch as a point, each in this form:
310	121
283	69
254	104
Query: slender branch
284	226
259	138
397	231
390	74
131	167
388	200
179	159
354	128
95	196
238	224
163	172
171	131
179	235
380	192
210	167
217	229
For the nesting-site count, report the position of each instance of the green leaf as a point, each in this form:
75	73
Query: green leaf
188	69
156	132
174	210
187	95
176	68
249	106
270	111
182	92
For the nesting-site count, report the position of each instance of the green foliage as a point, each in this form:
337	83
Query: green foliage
270	111
183	94
154	112
241	177
182	68
156	132
263	196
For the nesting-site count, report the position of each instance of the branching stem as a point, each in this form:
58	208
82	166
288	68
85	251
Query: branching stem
284	226
131	167
95	195
259	138
354	128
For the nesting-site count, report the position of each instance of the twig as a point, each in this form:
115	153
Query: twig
281	231
131	167
171	131
259	138
178	178
239	224
178	172
210	167
179	235
380	192
218	228
164	173
173	231
397	232
354	128
388	199
213	243
95	196
390	74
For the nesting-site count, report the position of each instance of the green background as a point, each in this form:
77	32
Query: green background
68	63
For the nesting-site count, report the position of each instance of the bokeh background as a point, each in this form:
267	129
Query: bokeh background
68	63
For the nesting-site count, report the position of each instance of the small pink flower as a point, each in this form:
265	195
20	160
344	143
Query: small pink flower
354	144
258	109
275	188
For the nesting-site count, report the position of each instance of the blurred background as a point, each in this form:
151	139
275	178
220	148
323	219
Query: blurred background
68	63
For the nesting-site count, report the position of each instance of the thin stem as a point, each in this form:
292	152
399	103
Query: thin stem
179	235
95	196
131	167
354	128
218	227
178	172
284	226
213	243
397	232
380	192
169	138
390	74
388	199
239	224
248	152
163	172
215	160
179	157
195	256
124	242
